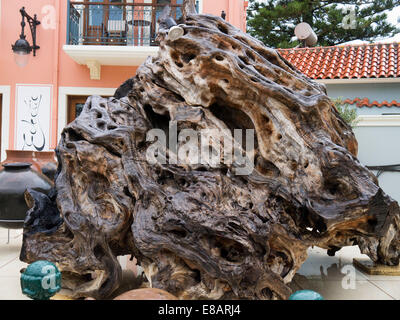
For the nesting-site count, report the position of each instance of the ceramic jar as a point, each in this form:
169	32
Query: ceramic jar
47	162
19	156
146	294
15	178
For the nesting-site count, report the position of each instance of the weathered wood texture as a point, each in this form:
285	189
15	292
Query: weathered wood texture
202	232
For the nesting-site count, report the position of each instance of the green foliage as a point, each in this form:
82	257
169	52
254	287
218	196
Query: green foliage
273	21
347	113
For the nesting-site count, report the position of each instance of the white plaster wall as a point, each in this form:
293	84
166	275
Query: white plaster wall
381	146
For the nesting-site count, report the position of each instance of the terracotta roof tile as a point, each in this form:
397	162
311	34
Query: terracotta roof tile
346	62
364	102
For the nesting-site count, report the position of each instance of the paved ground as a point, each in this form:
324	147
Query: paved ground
336	278
333	277
10	266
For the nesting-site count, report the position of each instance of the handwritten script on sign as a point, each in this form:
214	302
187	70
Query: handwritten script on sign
33	117
33	135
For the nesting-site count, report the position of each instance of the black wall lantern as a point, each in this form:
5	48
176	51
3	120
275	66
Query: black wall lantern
22	48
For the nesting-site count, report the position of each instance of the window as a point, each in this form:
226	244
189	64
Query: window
95	14
100	13
105	23
116	12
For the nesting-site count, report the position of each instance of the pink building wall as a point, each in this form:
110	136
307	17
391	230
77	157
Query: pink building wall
52	66
235	10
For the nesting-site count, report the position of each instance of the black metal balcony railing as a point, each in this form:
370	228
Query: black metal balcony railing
124	24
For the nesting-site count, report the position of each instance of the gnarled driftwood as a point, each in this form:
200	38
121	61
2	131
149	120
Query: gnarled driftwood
202	231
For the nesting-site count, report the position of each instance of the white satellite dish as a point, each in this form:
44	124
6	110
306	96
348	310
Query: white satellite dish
305	33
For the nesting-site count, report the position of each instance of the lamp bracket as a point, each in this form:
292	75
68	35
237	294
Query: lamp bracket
33	22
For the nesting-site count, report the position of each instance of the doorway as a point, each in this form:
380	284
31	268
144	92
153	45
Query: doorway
75	107
122	22
105	23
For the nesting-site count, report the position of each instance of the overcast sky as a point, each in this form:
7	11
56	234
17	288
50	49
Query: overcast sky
393	15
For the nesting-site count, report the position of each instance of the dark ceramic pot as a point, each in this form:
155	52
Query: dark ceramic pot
25	156
15	178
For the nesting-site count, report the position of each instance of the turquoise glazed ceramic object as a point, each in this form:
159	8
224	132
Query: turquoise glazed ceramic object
41	280
306	295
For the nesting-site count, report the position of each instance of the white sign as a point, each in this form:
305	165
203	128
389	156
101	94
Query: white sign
33	117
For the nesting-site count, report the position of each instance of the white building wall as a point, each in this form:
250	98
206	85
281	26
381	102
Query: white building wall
379	139
381	146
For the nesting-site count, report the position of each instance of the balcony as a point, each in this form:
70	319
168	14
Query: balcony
114	32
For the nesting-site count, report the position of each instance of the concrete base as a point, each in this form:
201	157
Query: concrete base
369	267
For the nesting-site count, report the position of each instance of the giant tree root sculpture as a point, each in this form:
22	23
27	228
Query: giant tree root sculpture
202	231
